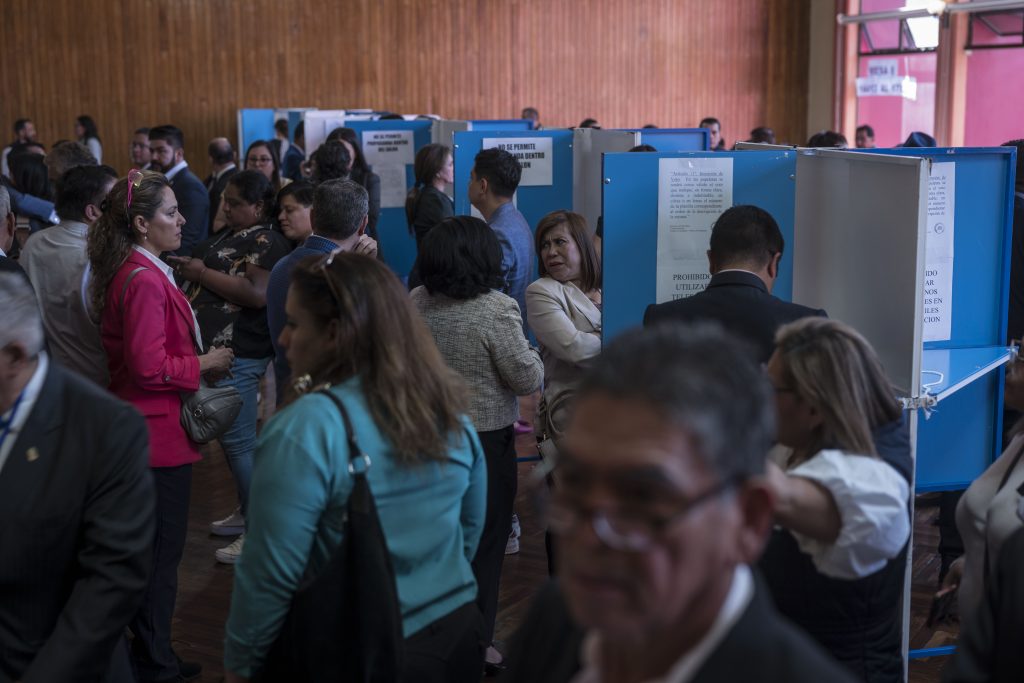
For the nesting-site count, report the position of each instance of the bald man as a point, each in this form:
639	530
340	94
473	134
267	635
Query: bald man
222	167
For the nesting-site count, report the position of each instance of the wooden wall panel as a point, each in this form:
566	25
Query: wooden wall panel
130	63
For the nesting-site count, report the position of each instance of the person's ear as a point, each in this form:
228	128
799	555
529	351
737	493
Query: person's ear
9	226
773	265
140	226
362	226
92	213
179	155
757	515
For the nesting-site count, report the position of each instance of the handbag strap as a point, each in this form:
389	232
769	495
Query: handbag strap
354	452
131	276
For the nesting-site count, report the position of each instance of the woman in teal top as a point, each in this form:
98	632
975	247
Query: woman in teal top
350	326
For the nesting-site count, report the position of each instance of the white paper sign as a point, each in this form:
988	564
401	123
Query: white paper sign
692	194
388	148
883	67
534	154
393	186
938	276
887	86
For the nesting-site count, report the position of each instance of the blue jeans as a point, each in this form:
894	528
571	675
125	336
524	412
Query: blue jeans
239	442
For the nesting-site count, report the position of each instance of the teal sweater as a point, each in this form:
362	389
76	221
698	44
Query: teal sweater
432	515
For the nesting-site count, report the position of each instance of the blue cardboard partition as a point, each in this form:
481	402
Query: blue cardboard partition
253	125
630	207
676	139
533	201
398	245
294	118
501	124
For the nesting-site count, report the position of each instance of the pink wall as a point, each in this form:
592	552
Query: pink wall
894	118
995	97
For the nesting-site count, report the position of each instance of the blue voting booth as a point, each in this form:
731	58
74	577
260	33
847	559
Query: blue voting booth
534	201
253	125
675	139
500	124
398	245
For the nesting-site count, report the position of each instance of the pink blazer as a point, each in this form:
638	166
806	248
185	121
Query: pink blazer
152	357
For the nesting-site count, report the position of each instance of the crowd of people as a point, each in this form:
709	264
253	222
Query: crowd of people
727	490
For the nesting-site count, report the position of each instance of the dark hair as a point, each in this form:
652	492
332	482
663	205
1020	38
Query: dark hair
339	207
700	379
919	139
745	234
253	187
530	113
221	151
300	130
281	126
461	258
79	187
709	121
415	399
589	123
85	121
110	239
828	138
360	169
29	174
501	169
330	162
1019	144
590	265
302	190
643	148
428	163
172	135
142	131
66	155
763	134
649	125
867	130
20	125
275	159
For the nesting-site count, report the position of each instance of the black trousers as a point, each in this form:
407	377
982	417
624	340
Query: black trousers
450	650
502	481
151	649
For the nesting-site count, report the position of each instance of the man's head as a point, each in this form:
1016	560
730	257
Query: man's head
494	178
747	238
331	161
281	129
339	210
531	114
21	335
763	134
865	137
7	221
139	150
714	130
81	190
221	152
167	145
658	492
67	155
24	130
300	134
1019	144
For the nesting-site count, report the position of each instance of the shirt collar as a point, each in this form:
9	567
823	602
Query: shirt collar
3	253
320	243
77	228
686	667
29	395
221	172
163	267
176	169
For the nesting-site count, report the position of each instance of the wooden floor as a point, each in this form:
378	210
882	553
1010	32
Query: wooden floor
204	591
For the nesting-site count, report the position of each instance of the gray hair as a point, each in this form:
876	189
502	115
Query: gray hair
339	207
5	203
22	322
701	380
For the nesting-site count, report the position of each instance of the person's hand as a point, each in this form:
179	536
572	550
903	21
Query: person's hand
953	577
366	245
217	360
187	267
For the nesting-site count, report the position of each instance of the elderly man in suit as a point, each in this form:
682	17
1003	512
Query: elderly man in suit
7	227
167	145
76	511
222	167
661	505
746	248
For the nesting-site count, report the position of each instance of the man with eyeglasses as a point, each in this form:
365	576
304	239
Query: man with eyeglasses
660	506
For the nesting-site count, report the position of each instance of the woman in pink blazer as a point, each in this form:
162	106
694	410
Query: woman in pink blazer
151	337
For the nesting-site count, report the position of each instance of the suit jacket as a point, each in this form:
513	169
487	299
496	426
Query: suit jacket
9	265
568	326
76	533
291	164
741	303
194	205
151	352
762	646
215	193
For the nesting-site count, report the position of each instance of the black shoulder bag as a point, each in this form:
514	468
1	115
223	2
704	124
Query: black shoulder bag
345	624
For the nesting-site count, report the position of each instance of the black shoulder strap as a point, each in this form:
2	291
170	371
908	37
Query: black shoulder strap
354	452
131	276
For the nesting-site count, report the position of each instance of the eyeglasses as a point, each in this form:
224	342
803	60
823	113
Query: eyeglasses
633	531
260	160
135	177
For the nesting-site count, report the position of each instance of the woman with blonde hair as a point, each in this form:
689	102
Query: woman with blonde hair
841	476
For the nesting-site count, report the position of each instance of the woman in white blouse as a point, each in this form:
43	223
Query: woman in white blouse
841	476
563	309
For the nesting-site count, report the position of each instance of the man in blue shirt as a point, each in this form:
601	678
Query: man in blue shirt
338	218
492	184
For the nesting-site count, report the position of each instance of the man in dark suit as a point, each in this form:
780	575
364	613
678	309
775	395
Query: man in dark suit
7	227
660	506
76	511
746	248
291	164
222	167
167	144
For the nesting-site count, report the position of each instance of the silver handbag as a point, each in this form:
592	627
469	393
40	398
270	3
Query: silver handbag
207	413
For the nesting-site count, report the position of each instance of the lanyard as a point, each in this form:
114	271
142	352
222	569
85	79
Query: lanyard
10	421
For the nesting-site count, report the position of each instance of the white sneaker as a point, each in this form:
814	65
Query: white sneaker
231	553
232	525
512	545
517	531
